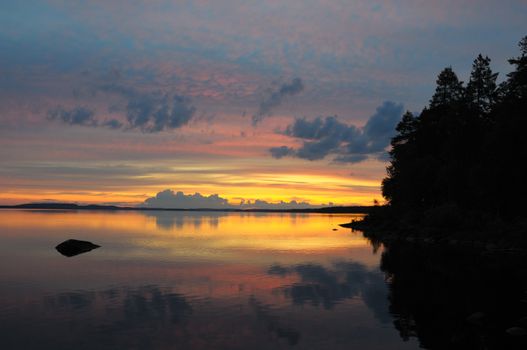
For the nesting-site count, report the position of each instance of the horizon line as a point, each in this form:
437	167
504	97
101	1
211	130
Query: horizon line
74	206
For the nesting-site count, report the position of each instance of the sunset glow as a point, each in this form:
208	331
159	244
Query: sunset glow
113	102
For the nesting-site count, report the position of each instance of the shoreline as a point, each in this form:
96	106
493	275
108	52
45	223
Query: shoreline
70	206
474	239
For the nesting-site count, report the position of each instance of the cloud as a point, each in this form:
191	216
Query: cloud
261	204
348	143
75	116
149	112
113	124
82	116
153	112
157	112
178	200
282	151
276	97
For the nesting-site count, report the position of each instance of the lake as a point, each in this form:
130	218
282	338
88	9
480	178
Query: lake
211	280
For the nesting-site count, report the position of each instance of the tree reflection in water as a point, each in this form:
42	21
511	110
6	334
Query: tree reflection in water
454	299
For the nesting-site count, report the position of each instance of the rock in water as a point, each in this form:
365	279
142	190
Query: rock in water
516	331
477	318
73	247
523	322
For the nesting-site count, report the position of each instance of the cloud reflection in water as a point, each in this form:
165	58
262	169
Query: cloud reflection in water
327	287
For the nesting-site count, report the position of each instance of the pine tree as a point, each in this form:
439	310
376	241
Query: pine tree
405	129
449	89
449	159
481	89
398	187
516	86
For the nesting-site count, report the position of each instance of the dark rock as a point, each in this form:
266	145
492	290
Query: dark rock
516	331
73	247
523	322
491	246
477	318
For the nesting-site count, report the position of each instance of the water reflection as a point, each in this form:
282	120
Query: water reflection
156	317
264	314
456	298
173	219
168	280
97	319
328	287
169	220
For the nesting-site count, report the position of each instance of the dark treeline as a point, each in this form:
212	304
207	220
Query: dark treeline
461	161
72	206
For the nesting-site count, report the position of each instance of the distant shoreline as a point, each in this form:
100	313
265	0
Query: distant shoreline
71	206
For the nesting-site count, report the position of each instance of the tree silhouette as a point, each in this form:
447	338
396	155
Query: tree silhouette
516	85
462	157
481	88
449	89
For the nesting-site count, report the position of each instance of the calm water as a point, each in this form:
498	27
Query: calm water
169	280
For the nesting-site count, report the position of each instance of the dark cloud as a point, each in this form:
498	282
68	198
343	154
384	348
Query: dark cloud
147	112
261	204
282	151
158	112
276	97
349	144
75	116
179	200
82	116
113	124
357	158
380	128
317	149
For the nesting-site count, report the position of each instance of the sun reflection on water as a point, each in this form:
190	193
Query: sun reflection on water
273	277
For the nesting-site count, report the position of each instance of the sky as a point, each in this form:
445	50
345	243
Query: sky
225	103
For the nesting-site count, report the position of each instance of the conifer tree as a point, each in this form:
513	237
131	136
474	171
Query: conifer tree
516	86
450	160
481	88
449	89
